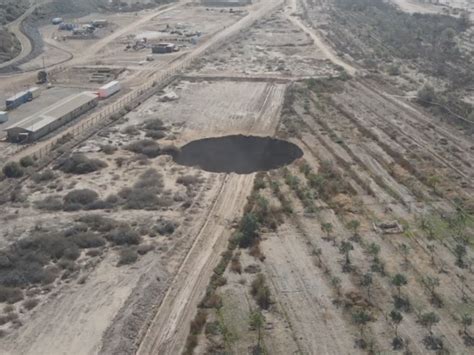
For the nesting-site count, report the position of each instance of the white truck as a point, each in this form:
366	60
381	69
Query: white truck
109	89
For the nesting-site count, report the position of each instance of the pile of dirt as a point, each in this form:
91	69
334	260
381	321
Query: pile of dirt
238	154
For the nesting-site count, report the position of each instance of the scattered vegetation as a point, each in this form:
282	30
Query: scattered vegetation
80	164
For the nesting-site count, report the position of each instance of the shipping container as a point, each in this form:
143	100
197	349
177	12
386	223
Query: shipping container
18	100
3	116
99	23
35	92
66	27
109	89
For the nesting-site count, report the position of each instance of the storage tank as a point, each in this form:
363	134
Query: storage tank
3	116
18	100
109	89
56	20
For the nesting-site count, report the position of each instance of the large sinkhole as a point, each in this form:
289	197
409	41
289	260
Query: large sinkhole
238	154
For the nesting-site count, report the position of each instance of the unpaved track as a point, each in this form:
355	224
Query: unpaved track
15	28
167	333
318	41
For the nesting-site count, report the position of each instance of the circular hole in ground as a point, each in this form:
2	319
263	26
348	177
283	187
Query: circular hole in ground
238	154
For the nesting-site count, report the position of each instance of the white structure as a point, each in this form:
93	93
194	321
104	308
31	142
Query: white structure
35	92
109	89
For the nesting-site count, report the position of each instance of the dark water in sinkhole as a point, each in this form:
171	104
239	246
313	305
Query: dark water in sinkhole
238	154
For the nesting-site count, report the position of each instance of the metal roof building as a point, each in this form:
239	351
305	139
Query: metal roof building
51	118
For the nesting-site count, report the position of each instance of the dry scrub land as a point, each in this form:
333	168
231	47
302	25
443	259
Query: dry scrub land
363	245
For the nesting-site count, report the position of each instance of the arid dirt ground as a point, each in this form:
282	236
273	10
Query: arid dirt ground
364	245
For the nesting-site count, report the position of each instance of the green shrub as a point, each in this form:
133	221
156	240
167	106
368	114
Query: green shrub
13	170
46	175
147	147
10	294
86	240
27	161
30	303
124	235
50	203
127	256
261	292
99	223
82	197
80	164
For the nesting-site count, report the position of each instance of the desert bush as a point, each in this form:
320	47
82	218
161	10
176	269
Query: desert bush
150	180
127	256
9	317
170	149
165	227
147	147
50	203
27	161
45	175
156	134
136	199
10	294
80	164
261	292
188	180
86	240
82	197
154	124
99	223
108	149
13	170
198	322
94	252
30	303
123	235
249	230
235	265
144	249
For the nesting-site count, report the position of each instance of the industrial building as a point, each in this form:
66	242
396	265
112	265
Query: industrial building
229	3
51	118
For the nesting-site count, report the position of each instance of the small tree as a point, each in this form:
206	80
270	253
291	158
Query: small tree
361	318
462	278
398	281
432	248
466	321
13	170
367	282
336	283
374	251
428	320
460	252
345	249
427	94
257	321
354	225
396	318
431	283
405	250
328	228
249	230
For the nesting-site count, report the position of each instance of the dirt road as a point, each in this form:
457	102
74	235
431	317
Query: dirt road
15	28
318	41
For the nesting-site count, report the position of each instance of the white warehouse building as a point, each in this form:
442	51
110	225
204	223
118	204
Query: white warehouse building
51	118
